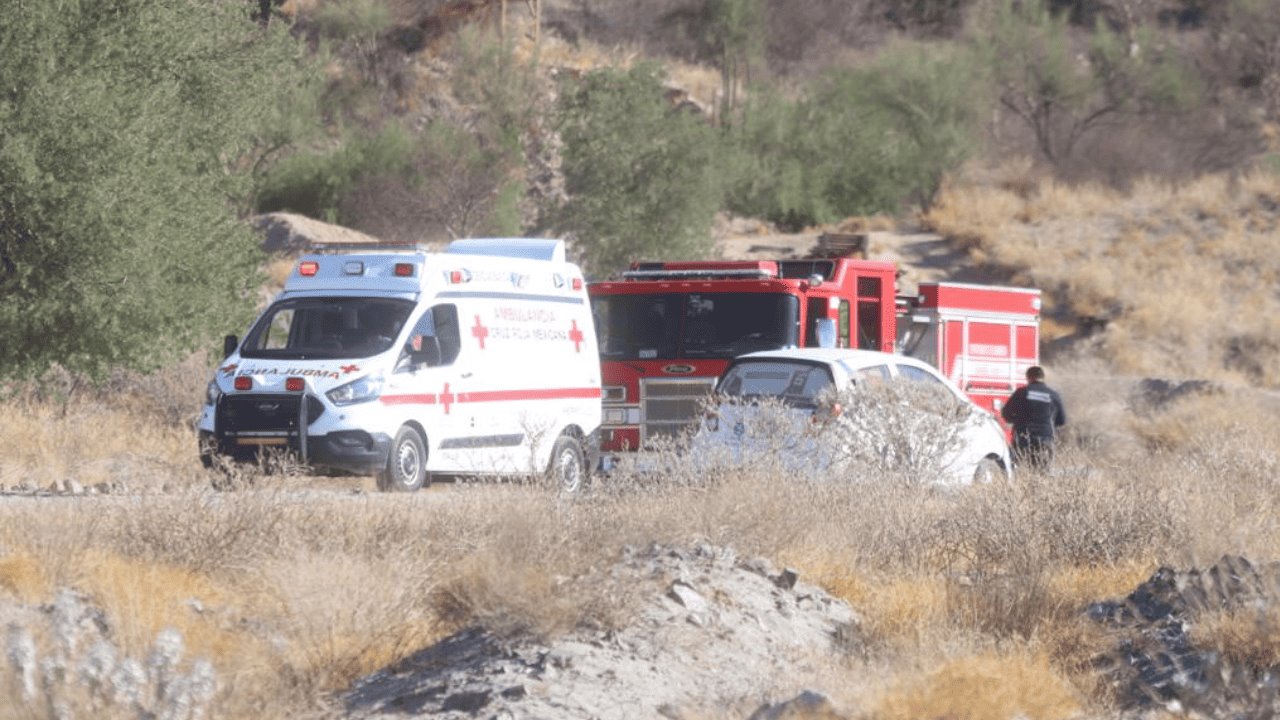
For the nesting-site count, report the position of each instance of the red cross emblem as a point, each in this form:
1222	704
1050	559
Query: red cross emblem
447	398
348	369
576	337
480	332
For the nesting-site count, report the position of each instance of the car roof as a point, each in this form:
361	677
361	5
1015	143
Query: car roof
852	358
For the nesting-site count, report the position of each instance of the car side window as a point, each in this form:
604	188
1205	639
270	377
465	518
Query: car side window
916	374
875	373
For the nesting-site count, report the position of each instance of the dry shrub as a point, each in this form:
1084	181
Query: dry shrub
1162	269
22	577
996	684
342	617
143	598
1249	637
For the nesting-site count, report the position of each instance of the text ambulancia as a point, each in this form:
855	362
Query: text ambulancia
479	360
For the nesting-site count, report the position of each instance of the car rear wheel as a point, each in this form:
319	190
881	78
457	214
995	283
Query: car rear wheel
989	470
568	467
406	469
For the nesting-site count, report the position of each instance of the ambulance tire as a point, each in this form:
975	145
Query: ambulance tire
406	469
567	470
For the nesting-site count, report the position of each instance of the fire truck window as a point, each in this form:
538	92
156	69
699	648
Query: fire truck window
730	324
816	309
843	324
868	325
636	327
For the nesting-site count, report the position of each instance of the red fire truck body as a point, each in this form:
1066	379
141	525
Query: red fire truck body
668	329
982	337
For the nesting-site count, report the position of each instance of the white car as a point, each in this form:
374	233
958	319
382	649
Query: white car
820	410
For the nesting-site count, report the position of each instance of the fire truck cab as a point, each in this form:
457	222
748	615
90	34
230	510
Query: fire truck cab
668	329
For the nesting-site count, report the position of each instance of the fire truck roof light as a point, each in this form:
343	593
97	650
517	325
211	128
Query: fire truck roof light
308	268
721	273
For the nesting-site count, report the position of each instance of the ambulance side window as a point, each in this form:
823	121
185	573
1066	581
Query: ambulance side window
446	320
440	322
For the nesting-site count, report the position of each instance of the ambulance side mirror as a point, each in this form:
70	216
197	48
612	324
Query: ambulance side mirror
229	345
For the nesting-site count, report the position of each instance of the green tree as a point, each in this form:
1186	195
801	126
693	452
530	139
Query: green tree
1063	92
736	33
642	178
128	130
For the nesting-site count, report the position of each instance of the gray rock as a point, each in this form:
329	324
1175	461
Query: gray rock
688	597
471	701
786	579
808	704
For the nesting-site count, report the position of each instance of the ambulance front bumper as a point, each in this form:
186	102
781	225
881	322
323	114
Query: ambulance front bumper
354	451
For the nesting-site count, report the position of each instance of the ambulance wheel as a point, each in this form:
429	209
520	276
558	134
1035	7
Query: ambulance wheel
568	467
406	469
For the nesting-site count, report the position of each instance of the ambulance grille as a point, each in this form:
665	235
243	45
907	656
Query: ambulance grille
263	412
671	405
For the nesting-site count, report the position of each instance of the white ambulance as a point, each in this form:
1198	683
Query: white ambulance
479	360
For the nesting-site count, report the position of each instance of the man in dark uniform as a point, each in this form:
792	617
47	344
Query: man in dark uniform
1036	412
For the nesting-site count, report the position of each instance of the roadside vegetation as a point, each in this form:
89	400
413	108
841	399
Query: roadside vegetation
291	597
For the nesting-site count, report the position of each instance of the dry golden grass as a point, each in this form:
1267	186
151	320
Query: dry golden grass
293	595
1009	683
1179	274
1248	637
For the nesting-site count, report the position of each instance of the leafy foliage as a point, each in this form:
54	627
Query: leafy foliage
865	140
641	177
1041	78
129	128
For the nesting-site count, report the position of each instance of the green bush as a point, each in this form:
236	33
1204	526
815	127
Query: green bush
316	184
129	128
642	178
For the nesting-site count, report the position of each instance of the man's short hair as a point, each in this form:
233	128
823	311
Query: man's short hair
1035	373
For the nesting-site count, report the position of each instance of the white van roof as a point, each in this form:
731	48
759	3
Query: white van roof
529	248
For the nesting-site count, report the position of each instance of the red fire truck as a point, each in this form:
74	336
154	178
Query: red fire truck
668	329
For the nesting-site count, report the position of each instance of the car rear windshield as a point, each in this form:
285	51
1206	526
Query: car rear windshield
326	327
694	325
799	384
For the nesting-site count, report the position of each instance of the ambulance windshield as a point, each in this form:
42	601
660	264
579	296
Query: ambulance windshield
319	328
693	325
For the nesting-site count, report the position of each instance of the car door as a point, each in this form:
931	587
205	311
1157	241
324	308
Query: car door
981	435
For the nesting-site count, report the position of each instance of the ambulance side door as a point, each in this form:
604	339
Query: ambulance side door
434	385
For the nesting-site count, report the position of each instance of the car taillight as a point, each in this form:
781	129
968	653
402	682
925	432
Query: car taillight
294	384
244	382
308	268
404	270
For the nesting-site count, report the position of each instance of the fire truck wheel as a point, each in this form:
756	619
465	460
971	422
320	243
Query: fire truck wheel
406	469
568	467
989	470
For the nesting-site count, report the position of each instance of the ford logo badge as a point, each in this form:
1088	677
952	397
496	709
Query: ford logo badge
677	369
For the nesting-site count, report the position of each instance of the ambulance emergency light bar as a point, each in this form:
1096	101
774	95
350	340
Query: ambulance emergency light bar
309	268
